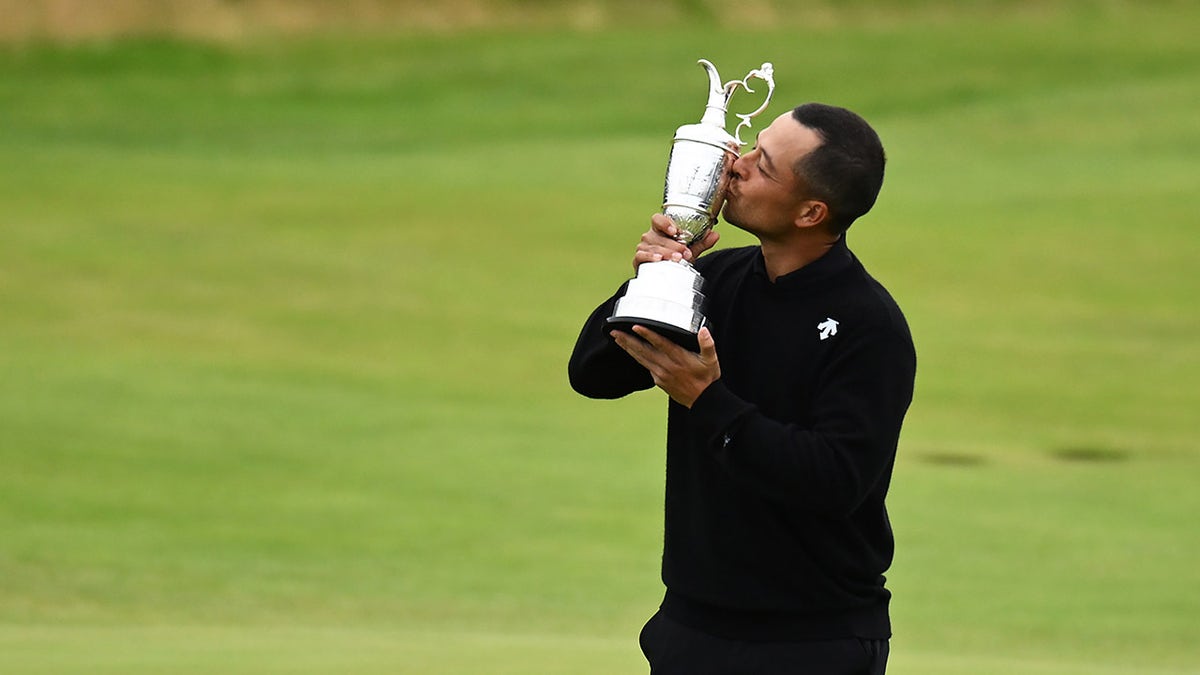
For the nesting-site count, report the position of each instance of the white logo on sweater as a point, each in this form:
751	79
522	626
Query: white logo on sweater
828	328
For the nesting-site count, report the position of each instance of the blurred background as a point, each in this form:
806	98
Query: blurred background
287	292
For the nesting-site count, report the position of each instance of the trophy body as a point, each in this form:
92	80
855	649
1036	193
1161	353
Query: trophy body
667	296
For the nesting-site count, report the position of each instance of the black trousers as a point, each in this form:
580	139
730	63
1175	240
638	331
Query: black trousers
675	649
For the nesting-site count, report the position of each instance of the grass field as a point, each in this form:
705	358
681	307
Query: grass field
285	325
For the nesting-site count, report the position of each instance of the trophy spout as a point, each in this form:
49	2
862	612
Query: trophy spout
718	96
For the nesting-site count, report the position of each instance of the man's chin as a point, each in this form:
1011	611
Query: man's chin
731	217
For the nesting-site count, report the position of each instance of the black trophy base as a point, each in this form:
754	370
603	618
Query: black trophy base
679	336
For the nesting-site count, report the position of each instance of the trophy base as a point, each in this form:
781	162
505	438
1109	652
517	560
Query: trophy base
679	336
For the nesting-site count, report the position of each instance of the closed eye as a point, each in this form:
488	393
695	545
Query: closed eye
765	165
763	170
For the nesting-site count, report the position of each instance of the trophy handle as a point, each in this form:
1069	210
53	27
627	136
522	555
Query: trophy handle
766	73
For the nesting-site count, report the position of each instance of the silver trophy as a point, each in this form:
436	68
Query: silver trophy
667	296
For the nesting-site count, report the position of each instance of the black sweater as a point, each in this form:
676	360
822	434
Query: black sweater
775	523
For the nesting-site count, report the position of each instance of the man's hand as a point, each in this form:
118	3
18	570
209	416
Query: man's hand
682	373
659	243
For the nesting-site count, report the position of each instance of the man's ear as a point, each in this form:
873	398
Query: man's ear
812	213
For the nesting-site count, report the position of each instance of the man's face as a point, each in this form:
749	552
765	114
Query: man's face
765	195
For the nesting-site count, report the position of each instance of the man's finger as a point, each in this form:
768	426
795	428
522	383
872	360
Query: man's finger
664	225
708	242
644	354
630	343
649	335
708	347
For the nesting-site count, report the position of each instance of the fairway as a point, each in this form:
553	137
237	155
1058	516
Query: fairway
285	325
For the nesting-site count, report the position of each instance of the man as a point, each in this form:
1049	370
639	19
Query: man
782	430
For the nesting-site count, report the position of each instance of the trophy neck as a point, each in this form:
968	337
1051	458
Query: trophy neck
714	115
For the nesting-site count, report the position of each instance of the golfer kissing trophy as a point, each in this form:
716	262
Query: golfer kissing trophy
666	295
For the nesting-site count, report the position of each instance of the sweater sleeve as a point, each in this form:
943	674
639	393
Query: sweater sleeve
831	463
599	368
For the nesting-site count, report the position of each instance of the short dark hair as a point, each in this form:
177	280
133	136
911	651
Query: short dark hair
846	171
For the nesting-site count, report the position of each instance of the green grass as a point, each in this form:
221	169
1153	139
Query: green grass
285	324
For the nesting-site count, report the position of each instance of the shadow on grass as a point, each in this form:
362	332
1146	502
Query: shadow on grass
957	459
1090	455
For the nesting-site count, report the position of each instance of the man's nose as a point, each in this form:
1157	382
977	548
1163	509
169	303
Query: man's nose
736	169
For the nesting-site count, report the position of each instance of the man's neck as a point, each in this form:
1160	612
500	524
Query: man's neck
785	257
